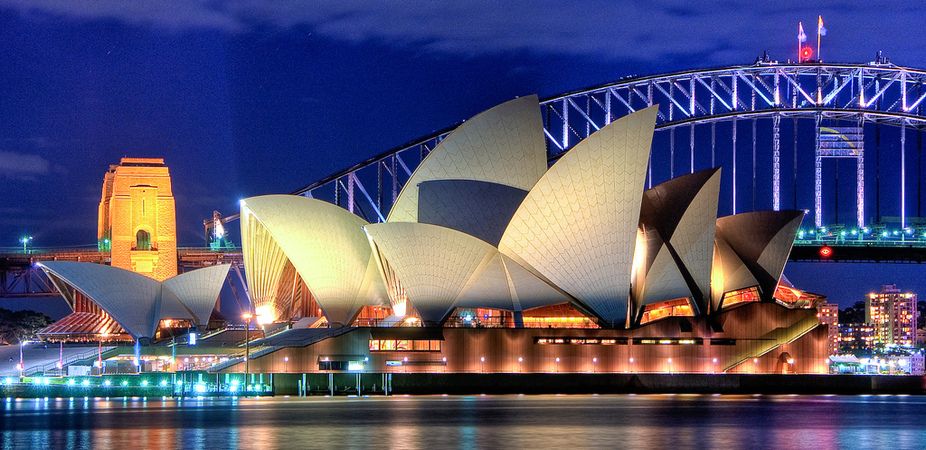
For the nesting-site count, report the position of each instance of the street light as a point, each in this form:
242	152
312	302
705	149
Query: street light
247	345
25	240
100	351
22	363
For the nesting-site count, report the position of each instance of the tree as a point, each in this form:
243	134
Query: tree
16	326
921	314
853	314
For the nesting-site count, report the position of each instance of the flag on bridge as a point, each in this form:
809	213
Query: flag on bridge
820	33
803	52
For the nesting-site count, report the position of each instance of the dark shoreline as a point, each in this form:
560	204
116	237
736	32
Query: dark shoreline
536	383
650	383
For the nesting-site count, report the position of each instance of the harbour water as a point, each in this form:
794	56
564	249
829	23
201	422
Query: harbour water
438	422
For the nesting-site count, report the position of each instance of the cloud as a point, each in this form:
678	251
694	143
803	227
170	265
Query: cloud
22	166
714	31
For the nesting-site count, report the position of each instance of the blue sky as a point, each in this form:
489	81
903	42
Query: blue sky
249	97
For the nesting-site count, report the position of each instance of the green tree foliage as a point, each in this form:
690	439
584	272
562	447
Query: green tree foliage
20	325
853	314
921	314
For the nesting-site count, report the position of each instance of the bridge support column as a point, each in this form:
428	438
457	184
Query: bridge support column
817	175
860	178
903	175
734	164
776	162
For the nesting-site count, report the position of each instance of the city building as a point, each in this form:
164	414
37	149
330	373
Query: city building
137	219
828	313
906	363
490	261
856	338
892	313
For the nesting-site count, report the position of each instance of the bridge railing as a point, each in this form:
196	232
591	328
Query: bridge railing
53	369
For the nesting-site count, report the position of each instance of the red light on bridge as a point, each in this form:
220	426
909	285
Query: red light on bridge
826	251
806	53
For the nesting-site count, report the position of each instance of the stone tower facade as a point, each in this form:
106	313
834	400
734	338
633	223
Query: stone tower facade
137	217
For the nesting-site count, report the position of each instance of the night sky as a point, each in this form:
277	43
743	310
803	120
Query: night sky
244	98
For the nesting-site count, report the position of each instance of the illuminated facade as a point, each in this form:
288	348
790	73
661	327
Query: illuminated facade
497	263
792	342
856	338
137	218
892	314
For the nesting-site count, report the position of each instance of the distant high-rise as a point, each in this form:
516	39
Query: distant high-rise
829	316
892	314
137	219
856	338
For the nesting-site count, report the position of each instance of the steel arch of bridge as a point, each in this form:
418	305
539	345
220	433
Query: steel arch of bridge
872	93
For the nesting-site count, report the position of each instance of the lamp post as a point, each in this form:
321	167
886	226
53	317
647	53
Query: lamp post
22	363
60	364
25	240
99	355
247	346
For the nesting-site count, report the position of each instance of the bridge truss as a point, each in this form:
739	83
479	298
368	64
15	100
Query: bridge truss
704	118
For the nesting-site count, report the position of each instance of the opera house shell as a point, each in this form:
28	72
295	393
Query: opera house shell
482	223
113	304
485	224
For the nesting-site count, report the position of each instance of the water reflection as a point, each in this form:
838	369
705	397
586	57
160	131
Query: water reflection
657	421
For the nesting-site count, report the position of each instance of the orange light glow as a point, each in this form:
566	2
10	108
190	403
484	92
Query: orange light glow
680	307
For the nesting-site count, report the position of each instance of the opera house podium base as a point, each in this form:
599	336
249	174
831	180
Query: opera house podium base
752	338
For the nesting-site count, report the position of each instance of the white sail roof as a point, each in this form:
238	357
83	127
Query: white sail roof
433	263
325	244
679	217
443	269
198	290
477	208
503	145
577	226
755	243
129	298
729	273
139	303
664	281
504	284
693	239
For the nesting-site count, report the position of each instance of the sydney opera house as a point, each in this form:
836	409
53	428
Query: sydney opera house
492	260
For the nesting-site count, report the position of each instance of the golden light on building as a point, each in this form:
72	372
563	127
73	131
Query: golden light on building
137	218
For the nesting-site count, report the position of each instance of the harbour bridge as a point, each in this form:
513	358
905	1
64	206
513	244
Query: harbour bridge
843	142
778	130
